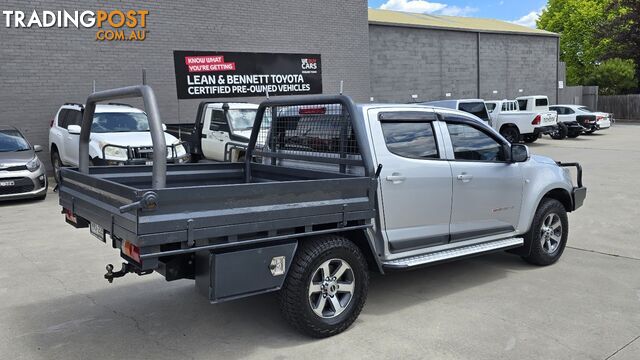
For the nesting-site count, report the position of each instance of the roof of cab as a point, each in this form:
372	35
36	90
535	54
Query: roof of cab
107	108
454	23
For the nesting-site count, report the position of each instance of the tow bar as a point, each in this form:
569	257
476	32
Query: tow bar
124	270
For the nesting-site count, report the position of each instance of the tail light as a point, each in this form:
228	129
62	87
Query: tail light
312	110
599	117
536	121
132	251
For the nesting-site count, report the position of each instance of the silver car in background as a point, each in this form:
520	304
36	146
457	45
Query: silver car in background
22	174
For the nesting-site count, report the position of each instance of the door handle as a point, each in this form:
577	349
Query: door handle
396	178
465	177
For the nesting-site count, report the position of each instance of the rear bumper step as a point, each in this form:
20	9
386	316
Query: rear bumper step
450	254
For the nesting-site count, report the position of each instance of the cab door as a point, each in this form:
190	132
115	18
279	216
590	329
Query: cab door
487	189
72	141
415	182
215	134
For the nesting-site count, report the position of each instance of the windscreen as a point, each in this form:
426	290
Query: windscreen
584	108
476	108
12	140
119	122
242	119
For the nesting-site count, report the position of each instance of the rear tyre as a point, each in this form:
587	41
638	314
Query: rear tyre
510	133
548	233
560	133
530	138
57	165
326	286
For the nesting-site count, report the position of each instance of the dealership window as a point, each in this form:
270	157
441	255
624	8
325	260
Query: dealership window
414	140
470	143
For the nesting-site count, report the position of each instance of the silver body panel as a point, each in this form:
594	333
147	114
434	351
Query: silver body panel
427	208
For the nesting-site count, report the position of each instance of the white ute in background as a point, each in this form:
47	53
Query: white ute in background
119	136
516	125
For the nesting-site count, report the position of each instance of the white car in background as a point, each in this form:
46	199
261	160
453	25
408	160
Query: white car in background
119	136
591	121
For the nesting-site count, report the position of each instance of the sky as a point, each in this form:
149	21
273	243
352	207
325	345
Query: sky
522	12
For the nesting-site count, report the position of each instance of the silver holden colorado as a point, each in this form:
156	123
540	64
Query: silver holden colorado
329	190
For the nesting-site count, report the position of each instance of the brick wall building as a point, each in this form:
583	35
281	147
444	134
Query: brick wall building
389	56
41	68
435	56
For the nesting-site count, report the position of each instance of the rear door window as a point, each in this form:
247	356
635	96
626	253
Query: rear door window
476	108
413	140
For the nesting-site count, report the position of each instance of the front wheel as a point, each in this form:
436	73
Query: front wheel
326	286
548	233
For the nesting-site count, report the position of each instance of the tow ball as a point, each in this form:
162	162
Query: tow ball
124	270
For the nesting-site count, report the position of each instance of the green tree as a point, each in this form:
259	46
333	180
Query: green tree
614	76
578	22
623	32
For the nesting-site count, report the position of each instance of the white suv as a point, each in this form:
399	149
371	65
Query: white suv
119	136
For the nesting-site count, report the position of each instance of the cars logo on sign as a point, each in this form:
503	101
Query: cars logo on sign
309	64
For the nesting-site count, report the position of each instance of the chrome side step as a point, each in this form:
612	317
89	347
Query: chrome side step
454	253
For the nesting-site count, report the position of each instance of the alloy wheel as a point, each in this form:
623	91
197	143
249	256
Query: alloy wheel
331	288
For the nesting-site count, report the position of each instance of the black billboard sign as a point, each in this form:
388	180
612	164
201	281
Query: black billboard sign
213	74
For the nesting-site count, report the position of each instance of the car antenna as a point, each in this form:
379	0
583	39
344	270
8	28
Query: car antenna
266	92
144	76
94	86
341	86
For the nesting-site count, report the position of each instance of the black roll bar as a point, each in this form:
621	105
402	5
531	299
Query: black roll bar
357	122
159	172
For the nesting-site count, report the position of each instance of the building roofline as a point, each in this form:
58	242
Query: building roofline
421	22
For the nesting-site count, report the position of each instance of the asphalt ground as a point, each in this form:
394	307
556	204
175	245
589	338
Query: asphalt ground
54	303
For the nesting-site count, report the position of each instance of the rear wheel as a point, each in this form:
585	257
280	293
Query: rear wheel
326	286
510	133
548	233
560	133
57	165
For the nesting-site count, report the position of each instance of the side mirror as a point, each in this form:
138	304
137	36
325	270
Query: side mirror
164	127
74	129
37	148
519	153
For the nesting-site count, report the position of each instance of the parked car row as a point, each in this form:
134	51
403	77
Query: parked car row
221	131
